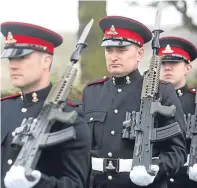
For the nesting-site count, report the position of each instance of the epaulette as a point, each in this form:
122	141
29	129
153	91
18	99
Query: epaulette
192	90
164	82
104	79
11	96
73	103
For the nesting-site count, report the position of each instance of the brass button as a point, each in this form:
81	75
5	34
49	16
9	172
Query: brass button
24	110
171	180
115	111
110	154
119	90
110	177
10	161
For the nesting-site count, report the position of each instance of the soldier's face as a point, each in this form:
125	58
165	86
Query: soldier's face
121	61
175	73
28	71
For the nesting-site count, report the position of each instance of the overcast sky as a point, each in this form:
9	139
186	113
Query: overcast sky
59	15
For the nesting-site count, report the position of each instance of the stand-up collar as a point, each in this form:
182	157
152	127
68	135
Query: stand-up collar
35	96
181	91
125	80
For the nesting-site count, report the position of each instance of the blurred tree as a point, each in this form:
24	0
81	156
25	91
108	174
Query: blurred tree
92	60
182	7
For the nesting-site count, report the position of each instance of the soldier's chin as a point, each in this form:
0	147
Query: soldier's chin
18	83
116	72
170	80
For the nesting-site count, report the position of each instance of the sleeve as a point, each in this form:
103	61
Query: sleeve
83	98
90	176
75	156
172	151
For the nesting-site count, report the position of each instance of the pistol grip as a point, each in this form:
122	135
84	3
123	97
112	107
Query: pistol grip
156	107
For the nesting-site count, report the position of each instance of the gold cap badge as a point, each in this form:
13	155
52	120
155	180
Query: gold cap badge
10	39
168	50
112	31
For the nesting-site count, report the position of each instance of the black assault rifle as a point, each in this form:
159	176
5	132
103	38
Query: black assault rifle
145	133
34	134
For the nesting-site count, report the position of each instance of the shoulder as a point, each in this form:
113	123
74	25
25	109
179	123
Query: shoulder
9	97
73	103
98	81
192	90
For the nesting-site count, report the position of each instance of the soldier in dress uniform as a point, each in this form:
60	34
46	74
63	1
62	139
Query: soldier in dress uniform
106	102
29	49
178	54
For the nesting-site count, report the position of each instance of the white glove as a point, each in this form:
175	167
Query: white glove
140	177
193	172
15	178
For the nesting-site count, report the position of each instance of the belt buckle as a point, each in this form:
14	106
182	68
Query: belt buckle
110	164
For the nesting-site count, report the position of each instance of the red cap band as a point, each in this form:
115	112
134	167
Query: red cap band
23	39
174	51
124	33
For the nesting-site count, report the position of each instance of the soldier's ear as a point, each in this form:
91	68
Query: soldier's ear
46	61
188	68
140	54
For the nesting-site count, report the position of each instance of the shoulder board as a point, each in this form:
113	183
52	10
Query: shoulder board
11	96
164	82
102	80
73	103
192	90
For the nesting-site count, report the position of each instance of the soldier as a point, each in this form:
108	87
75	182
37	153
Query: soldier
29	49
106	102
178	54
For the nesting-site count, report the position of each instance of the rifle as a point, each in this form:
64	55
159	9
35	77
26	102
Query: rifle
192	124
34	134
145	133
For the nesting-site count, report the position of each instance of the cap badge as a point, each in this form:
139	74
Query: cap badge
168	50
112	31
10	39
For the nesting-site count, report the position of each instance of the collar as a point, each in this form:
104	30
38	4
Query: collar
35	96
181	91
126	80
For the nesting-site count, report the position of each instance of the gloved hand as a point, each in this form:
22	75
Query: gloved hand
140	177
15	178
193	172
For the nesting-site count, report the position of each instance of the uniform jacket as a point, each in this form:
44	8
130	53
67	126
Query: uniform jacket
105	104
62	166
187	98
